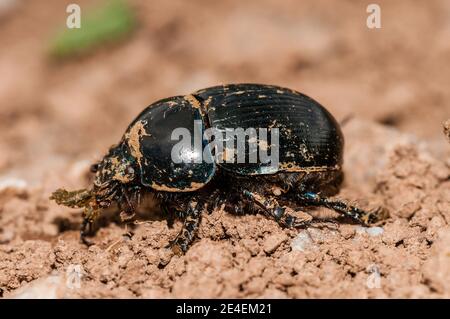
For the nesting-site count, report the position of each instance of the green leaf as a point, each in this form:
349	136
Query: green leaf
108	23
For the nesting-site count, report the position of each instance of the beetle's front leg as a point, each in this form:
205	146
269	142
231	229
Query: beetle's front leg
355	213
89	216
190	225
271	207
86	228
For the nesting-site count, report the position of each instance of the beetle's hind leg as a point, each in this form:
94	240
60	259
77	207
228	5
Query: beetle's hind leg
190	226
360	216
271	207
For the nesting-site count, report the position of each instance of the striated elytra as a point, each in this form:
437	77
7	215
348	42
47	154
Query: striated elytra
308	147
310	138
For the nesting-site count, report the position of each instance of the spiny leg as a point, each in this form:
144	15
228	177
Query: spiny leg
90	214
167	212
127	204
355	213
190	225
271	206
86	228
82	198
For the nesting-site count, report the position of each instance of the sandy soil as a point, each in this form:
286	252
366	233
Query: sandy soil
389	86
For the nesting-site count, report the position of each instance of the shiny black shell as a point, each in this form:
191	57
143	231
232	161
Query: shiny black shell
310	139
149	138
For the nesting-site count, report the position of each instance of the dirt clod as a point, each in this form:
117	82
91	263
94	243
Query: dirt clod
273	242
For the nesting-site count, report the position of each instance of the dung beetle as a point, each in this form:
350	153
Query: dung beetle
308	168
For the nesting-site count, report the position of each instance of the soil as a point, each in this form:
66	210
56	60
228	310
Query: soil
388	87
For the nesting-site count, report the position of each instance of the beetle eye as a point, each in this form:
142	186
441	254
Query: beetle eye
94	168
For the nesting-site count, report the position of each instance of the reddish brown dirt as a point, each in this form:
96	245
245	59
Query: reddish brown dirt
57	118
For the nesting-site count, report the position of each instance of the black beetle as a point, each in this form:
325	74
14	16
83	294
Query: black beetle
310	150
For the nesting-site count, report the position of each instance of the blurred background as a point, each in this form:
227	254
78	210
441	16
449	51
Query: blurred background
67	94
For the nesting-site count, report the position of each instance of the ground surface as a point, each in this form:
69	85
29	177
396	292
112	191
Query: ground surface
391	86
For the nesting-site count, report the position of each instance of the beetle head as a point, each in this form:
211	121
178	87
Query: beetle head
113	171
111	174
113	168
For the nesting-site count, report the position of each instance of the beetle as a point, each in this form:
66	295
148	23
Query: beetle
309	168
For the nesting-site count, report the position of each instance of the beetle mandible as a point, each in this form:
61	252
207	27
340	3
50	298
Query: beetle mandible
309	168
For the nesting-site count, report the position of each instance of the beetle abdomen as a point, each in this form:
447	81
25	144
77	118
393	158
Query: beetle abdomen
309	137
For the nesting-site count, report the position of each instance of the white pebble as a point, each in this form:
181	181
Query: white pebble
360	230
375	231
371	231
12	183
42	288
302	242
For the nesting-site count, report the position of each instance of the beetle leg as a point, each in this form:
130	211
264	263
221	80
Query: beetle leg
89	216
170	215
86	228
216	200
129	210
79	198
274	210
190	226
353	212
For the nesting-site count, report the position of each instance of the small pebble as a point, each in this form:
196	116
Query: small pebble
165	255
375	231
273	242
6	236
302	242
371	231
42	288
360	230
